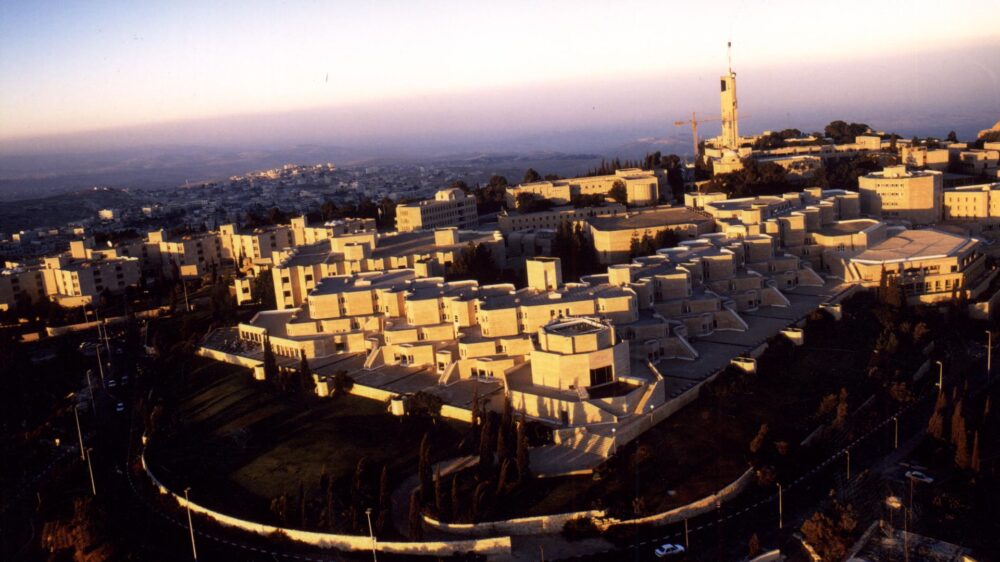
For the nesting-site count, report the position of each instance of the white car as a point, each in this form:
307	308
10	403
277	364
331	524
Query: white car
668	550
919	476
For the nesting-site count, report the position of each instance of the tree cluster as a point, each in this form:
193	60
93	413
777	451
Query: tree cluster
842	132
776	139
831	534
504	465
476	262
649	244
332	506
576	251
755	179
384	211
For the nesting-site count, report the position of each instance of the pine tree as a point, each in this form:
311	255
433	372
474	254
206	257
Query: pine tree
416	521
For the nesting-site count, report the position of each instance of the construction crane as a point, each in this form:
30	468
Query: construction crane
694	128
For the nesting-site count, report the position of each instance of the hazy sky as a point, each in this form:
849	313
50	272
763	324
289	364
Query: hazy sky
69	67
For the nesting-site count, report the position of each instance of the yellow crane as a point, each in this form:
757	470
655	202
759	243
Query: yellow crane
694	128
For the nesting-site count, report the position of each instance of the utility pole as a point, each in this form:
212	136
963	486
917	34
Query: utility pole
90	469
895	439
848	451
187	504
368	513
781	522
187	305
940	384
687	544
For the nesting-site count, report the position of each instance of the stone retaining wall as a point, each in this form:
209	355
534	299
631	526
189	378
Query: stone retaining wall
539	525
692	509
494	546
546	524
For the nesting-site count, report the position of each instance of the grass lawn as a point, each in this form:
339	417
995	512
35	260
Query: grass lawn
239	446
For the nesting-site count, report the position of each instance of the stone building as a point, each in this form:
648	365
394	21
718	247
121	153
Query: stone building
450	207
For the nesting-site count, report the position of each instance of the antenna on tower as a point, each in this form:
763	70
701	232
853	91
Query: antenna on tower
729	55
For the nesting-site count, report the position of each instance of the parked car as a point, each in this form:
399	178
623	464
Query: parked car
120	407
668	550
919	476
112	383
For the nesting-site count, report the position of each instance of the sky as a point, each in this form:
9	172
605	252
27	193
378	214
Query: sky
152	71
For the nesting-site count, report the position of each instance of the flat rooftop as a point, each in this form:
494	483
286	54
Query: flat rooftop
840	228
651	218
917	244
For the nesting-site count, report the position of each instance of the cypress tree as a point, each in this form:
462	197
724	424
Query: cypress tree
455	499
306	382
270	362
438	494
957	425
416	522
485	444
302	505
935	426
975	464
424	469
523	468
504	475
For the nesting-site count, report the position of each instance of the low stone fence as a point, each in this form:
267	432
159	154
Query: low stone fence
539	525
83	326
494	546
692	509
548	524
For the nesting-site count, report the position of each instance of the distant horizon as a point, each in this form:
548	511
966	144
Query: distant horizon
82	78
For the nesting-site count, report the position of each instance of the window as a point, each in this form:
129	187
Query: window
601	375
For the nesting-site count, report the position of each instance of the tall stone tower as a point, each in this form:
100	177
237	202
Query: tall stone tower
730	130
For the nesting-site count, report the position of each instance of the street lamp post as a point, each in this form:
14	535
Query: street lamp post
90	469
940	376
90	387
614	441
187	505
100	363
79	434
848	451
371	533
989	355
895	438
781	522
